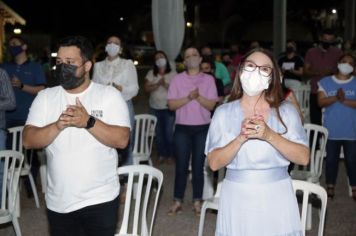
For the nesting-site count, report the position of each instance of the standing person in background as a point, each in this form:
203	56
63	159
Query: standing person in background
80	123
192	95
208	66
7	102
27	79
337	95
256	136
156	84
122	75
319	62
221	72
292	66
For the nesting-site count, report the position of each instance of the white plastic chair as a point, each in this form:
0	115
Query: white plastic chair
211	203
309	188
26	168
302	93
137	210
12	161
145	124
317	135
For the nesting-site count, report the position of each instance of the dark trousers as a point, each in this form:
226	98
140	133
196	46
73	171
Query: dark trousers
189	142
315	110
164	132
96	220
332	160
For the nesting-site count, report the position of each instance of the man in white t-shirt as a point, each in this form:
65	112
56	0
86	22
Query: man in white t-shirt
80	123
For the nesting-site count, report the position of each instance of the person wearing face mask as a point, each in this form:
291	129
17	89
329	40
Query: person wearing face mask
221	72
255	136
320	62
292	66
156	84
337	95
122	75
80	123
27	79
192	95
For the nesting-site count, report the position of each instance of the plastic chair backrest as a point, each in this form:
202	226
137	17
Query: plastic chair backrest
12	164
303	97
318	136
144	175
16	133
310	188
144	124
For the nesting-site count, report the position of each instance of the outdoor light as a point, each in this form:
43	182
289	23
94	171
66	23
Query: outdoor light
135	62
53	54
17	31
334	11
121	18
53	67
189	24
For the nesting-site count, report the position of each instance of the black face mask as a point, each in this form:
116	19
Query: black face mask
65	73
289	50
325	45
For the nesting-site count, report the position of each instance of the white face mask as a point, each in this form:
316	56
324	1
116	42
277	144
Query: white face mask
253	83
161	62
112	49
193	62
345	68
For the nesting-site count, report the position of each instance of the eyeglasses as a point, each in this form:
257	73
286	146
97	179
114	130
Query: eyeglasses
262	70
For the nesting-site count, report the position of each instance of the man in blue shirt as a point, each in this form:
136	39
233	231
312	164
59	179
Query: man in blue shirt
27	79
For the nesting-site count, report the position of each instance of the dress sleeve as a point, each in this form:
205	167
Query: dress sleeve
218	136
130	86
296	132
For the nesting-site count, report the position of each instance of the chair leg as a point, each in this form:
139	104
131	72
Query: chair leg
16	225
43	175
34	190
309	217
202	220
17	212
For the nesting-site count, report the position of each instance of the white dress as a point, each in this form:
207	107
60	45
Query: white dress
257	198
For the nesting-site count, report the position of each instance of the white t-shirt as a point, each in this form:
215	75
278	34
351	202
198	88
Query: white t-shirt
158	97
81	170
119	71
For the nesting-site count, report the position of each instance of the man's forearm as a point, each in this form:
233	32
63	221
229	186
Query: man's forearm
39	137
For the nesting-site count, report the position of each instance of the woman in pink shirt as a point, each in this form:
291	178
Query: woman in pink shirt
192	95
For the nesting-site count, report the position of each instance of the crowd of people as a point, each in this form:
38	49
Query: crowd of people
236	111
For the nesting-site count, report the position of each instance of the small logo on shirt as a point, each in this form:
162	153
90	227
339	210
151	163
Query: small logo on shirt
97	113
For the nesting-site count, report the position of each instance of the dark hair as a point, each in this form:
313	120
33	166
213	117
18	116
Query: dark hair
273	94
155	67
19	38
208	60
346	55
328	31
84	44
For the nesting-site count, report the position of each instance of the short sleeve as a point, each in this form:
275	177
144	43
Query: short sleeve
40	76
296	132
218	136
173	88
36	115
116	108
149	75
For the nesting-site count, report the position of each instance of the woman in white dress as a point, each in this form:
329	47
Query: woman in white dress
121	74
256	136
